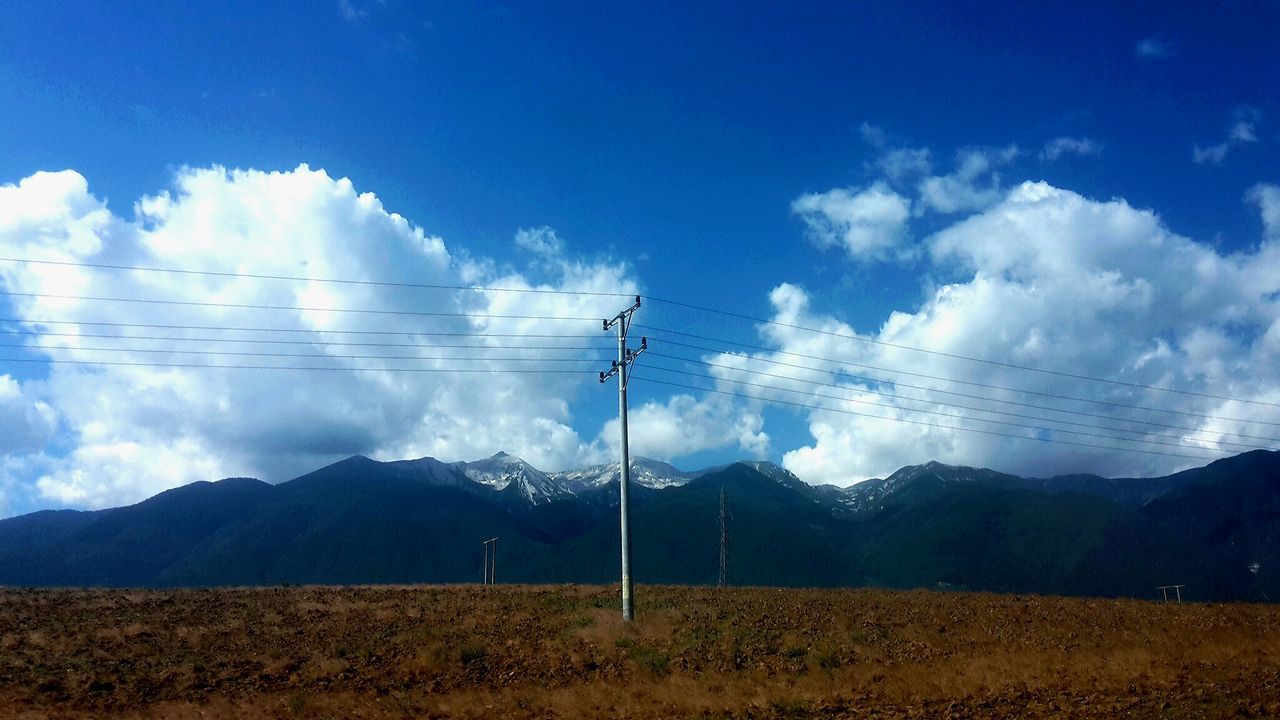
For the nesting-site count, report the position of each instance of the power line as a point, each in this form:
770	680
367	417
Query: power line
471	358
294	308
232	328
331	368
326	332
320	343
296	355
939	378
929	412
926	424
668	301
947	392
256	276
956	356
554	371
947	404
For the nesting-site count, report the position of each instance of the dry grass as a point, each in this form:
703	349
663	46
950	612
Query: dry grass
392	652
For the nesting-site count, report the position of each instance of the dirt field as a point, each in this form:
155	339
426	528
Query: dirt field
535	652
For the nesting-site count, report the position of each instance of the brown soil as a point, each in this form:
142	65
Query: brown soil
549	652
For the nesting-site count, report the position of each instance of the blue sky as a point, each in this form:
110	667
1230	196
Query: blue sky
676	141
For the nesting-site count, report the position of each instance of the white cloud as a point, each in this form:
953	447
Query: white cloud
351	12
973	185
683	425
903	164
28	423
1153	48
1267	198
541	241
869	223
1046	278
1060	146
1241	132
899	164
128	432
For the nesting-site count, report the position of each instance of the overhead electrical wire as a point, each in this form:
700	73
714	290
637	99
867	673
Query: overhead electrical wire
934	412
297	355
472	359
329	368
1056	396
944	392
317	343
836	373
647	379
669	341
1038	418
295	308
956	356
667	301
233	328
731	368
300	278
534	371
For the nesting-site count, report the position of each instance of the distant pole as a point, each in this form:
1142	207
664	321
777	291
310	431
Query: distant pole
724	540
491	561
621	368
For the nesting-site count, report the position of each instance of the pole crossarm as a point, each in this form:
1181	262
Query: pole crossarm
621	366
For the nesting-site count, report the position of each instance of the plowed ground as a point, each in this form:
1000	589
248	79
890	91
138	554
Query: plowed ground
548	652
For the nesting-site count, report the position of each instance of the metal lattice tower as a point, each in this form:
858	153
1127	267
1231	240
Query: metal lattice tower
724	540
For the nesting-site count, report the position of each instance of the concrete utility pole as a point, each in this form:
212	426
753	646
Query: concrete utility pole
491	561
621	368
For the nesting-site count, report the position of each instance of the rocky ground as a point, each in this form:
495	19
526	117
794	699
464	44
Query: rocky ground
550	652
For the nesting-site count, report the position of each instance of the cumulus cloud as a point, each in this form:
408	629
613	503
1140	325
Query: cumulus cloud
869	223
973	184
1061	146
682	425
127	431
1045	278
1241	132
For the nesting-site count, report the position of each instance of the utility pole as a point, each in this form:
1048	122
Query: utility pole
621	368
491	561
724	540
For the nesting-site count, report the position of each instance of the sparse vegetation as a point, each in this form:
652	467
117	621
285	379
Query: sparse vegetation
564	652
472	653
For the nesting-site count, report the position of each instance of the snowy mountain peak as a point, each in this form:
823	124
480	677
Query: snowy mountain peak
645	472
773	471
509	474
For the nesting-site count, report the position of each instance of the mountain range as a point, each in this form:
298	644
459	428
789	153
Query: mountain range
1214	529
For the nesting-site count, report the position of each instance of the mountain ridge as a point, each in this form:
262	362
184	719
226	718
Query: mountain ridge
1214	528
